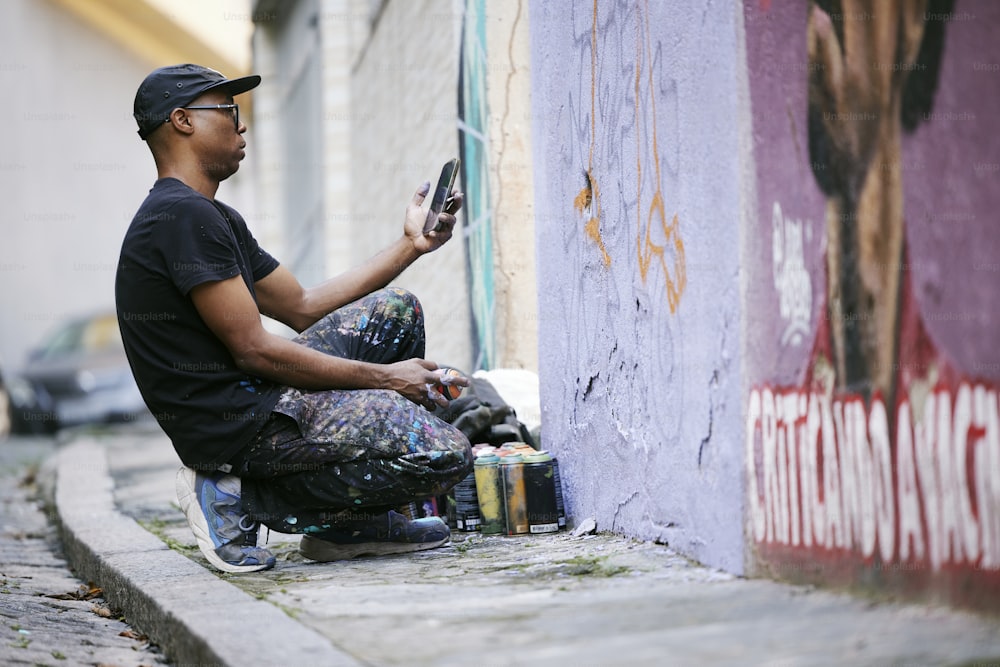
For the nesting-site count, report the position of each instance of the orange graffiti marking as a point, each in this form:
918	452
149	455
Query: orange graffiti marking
645	247
583	203
588	201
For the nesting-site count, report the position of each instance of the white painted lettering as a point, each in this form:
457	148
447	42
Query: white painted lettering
832	474
795	404
927	472
814	516
769	442
951	531
758	516
781	463
986	457
831	481
906	485
864	519
968	539
883	497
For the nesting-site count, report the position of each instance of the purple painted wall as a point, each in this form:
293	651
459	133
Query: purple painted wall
637	208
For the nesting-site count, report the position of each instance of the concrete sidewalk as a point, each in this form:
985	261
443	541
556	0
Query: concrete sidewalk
542	600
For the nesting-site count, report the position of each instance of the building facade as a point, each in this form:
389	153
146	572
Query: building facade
73	171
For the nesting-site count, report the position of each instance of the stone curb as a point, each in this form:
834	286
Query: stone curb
194	616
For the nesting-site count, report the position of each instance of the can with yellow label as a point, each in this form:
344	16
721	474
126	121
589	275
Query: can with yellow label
489	492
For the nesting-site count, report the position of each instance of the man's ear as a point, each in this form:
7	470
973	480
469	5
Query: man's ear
181	121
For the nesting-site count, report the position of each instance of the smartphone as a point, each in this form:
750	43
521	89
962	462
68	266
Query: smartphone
449	172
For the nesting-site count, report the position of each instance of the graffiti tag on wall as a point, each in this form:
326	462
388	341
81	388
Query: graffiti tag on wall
791	279
655	238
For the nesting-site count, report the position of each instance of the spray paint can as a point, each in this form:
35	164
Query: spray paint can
521	448
467	504
524	448
506	449
489	493
540	493
409	510
557	480
514	498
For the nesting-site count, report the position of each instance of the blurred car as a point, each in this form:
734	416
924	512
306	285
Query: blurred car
4	408
79	375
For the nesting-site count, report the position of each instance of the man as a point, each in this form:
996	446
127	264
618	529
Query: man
320	436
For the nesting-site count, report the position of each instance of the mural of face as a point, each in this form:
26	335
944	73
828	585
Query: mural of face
873	456
872	75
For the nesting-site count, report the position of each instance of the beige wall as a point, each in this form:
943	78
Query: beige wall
405	109
388	122
404	127
508	86
72	169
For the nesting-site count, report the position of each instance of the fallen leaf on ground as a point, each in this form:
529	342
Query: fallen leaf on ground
81	593
103	612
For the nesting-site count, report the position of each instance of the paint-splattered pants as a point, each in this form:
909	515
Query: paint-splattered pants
328	457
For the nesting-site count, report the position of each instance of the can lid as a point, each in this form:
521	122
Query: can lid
486	459
538	457
484	450
511	458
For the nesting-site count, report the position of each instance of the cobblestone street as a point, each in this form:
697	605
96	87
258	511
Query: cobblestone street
49	616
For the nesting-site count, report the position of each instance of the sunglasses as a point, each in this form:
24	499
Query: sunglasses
235	109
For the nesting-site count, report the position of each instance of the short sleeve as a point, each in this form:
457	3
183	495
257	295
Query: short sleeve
261	262
198	245
258	261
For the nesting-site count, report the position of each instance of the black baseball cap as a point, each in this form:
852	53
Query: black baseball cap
168	88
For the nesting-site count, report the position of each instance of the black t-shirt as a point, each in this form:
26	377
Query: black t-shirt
177	240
